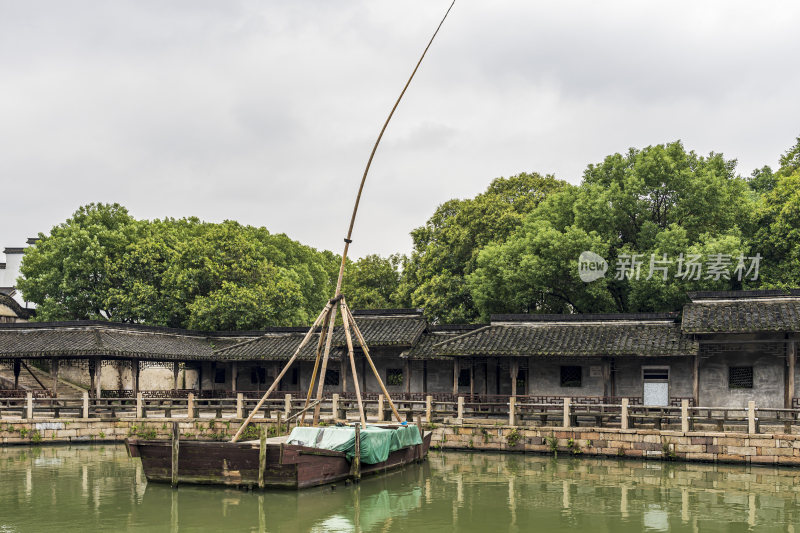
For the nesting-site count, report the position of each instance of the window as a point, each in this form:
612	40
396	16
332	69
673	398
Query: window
258	376
219	375
571	376
331	377
740	377
394	376
655	374
463	377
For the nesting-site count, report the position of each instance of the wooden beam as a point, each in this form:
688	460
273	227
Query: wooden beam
320	347
135	376
455	375
407	375
514	372
99	374
349	340
791	360
54	372
325	355
471	377
174	375
365	349
285	369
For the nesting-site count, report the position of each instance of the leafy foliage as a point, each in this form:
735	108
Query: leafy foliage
655	201
446	248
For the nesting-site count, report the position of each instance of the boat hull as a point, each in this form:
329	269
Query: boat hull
287	466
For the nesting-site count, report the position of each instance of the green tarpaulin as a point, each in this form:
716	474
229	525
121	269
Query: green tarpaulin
376	443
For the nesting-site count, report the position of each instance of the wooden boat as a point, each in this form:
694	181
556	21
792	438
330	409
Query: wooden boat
287	466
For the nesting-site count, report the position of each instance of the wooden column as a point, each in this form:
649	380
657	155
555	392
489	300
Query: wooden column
455	375
471	377
791	360
514	372
343	372
135	375
234	375
407	376
175	375
486	377
199	378
92	370
99	374
54	372
17	368
606	379
425	376
528	377
696	379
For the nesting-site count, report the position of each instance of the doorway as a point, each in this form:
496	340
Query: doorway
656	385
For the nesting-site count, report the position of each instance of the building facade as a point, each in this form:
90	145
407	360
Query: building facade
723	349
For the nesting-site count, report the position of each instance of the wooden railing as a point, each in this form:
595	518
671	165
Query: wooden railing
517	411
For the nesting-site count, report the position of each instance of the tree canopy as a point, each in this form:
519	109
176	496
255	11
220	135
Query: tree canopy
446	248
661	221
648	205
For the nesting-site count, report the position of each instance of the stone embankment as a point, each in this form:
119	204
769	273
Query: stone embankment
770	449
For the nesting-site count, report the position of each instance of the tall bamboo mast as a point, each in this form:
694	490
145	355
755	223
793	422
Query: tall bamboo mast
328	316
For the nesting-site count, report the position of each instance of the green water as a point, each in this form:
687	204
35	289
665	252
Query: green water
98	488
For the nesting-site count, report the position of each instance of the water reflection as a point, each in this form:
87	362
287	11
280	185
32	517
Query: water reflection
100	488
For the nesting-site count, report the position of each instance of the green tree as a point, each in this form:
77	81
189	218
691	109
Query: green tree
659	200
777	238
372	282
446	248
68	273
178	273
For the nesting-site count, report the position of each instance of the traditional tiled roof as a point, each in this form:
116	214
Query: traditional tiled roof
93	341
274	347
379	331
425	347
110	340
572	338
758	311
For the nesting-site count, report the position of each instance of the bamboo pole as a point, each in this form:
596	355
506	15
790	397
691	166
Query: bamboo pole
322	335
349	339
365	348
285	369
326	354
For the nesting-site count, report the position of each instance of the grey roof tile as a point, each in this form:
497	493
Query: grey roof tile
752	315
572	339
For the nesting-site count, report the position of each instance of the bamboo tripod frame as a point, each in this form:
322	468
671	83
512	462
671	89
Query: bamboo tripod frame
327	318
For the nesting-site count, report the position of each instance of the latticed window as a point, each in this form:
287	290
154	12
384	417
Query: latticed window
571	376
740	377
331	377
394	376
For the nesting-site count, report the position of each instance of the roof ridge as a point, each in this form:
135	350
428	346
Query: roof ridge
473	332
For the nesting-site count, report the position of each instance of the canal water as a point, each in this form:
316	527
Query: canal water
99	488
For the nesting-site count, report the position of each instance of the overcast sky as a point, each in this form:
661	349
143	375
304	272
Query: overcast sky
265	111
